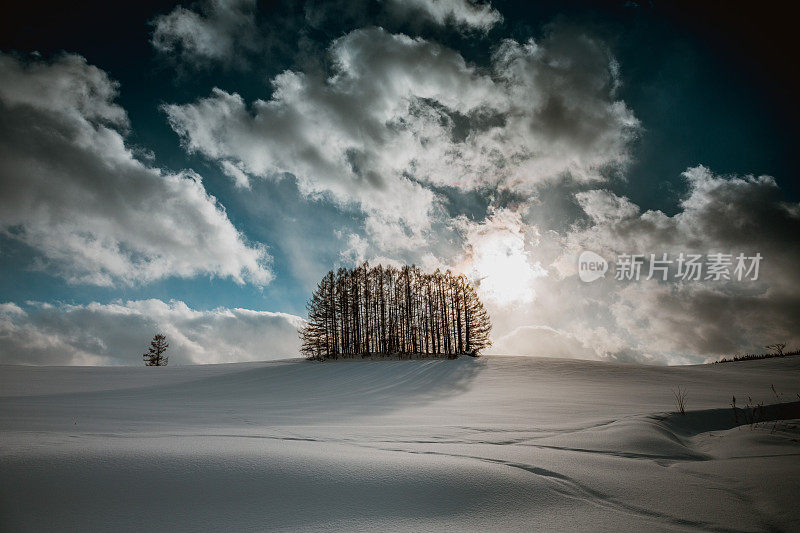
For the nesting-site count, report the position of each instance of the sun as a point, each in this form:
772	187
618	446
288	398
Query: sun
503	268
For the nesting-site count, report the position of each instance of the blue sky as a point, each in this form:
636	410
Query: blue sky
553	111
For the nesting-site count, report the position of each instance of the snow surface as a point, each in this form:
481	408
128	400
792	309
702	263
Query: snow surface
488	444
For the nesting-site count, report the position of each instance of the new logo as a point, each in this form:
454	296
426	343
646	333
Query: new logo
591	266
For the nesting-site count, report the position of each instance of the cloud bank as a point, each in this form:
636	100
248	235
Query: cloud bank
676	321
118	333
719	214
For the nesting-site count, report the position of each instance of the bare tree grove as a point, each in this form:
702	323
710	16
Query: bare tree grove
385	310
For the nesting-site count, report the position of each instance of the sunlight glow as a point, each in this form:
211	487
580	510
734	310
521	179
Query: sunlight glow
500	264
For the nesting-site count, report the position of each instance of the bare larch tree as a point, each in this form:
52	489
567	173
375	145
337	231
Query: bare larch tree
386	310
155	355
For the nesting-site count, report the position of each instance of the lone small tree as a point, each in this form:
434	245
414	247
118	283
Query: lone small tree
776	348
155	355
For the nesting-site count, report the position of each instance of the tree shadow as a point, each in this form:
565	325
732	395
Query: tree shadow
279	393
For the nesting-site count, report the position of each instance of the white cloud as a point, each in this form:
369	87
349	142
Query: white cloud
220	33
118	333
345	136
240	178
71	189
562	116
398	115
10	308
604	206
466	15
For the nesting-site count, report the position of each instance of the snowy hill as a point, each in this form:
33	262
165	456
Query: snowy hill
496	443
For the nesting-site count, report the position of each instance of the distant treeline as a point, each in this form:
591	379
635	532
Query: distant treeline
386	311
751	356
